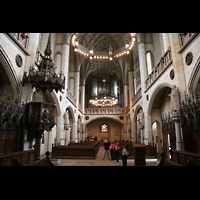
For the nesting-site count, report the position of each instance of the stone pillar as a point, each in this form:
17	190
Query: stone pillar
179	71
83	131
66	137
142	61
143	76
83	97
176	118
166	42
60	131
125	132
134	132
75	136
131	86
131	94
125	95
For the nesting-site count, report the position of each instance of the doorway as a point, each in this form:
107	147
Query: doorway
157	136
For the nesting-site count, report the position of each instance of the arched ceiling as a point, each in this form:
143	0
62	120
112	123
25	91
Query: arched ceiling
102	41
102	67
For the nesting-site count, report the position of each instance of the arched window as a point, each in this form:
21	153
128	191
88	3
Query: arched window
150	61
104	128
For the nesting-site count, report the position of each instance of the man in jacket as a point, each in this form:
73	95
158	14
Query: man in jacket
106	149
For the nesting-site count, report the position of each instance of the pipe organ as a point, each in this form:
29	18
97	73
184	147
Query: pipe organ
104	91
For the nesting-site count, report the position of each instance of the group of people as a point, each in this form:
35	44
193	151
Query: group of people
114	151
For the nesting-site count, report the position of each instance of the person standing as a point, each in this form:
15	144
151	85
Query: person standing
106	149
125	154
112	150
117	152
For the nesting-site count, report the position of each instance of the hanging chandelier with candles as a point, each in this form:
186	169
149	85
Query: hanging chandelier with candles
105	101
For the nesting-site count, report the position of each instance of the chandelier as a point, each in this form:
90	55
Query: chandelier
104	55
105	101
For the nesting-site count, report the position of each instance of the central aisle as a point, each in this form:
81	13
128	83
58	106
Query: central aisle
99	159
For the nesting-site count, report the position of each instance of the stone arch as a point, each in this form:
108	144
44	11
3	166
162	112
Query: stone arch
71	112
157	135
114	129
99	117
195	75
58	108
135	122
9	69
153	96
136	111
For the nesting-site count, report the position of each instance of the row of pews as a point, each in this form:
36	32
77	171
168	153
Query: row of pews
89	150
82	150
24	158
180	158
150	150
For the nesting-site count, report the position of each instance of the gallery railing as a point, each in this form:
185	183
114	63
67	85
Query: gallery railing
98	111
164	62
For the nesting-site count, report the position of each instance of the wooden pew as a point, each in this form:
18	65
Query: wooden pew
42	162
88	150
185	158
166	161
18	158
150	150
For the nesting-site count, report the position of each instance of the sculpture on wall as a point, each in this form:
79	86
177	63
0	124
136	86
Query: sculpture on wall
141	119
174	98
66	120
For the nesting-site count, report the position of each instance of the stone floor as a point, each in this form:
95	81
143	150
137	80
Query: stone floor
99	161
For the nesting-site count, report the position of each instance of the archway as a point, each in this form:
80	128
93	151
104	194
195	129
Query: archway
195	76
160	106
71	122
113	129
157	136
11	130
7	72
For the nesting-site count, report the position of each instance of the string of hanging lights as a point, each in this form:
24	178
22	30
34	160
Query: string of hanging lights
105	54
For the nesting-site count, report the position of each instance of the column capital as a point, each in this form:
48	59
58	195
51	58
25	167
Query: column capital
140	38
67	37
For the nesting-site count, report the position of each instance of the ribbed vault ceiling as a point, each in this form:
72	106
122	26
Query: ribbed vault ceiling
102	41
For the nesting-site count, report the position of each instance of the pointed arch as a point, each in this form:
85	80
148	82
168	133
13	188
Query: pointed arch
7	64
71	112
157	89
195	75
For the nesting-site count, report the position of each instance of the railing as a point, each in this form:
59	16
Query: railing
164	62
96	111
136	97
71	97
22	38
80	107
184	37
127	108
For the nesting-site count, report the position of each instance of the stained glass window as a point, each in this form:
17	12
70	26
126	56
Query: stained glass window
104	127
